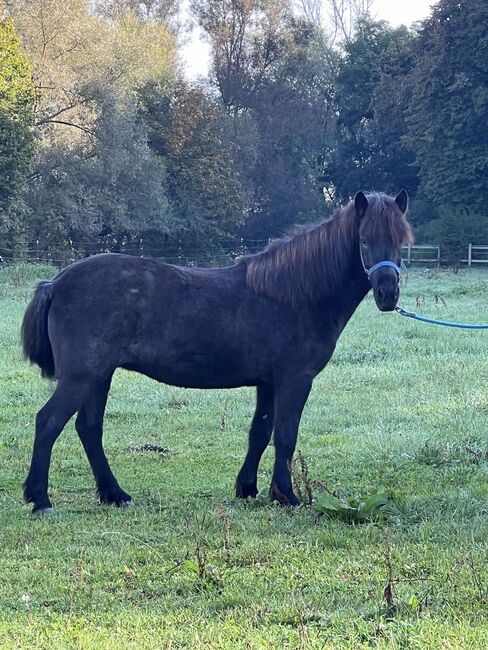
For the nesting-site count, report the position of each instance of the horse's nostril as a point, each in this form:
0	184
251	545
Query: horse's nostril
381	294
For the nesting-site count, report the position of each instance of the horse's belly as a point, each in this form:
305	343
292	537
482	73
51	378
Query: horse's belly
198	369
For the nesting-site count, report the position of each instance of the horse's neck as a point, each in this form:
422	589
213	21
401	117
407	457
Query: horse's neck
353	292
351	288
351	285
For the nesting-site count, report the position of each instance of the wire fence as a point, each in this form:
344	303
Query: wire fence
220	254
59	255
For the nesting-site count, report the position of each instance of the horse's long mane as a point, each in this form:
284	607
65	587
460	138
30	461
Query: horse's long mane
311	263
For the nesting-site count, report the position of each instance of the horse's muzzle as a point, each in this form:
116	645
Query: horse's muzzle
386	298
386	289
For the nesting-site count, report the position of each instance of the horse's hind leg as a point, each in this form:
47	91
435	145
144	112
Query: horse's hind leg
50	421
259	437
89	425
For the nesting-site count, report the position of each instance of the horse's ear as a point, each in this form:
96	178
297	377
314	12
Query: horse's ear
361	204
402	201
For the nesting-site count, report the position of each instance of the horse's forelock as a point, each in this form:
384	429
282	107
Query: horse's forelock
384	219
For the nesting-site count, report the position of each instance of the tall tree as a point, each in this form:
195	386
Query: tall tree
93	172
293	111
273	73
247	38
77	55
187	129
109	192
371	99
16	117
448	114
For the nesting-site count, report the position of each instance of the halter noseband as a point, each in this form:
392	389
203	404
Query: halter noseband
378	265
369	272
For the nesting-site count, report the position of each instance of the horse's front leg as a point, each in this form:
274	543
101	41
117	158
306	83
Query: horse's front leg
290	399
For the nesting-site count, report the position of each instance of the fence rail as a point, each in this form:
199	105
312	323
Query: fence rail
477	254
422	254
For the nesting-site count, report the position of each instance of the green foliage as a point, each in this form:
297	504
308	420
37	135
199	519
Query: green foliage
291	112
274	76
145	10
94	175
187	132
16	118
124	147
448	111
352	509
454	230
248	39
115	187
371	98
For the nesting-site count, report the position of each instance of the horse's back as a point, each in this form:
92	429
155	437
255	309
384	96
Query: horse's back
114	310
111	269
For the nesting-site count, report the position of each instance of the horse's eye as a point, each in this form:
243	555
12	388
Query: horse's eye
364	243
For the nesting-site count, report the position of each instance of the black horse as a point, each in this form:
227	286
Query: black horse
271	320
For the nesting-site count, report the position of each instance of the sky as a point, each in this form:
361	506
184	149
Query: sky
396	12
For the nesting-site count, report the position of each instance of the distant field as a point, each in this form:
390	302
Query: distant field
401	407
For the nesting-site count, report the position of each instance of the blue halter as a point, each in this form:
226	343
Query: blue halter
378	265
369	272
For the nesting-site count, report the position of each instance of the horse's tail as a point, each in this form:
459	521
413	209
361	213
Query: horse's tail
35	338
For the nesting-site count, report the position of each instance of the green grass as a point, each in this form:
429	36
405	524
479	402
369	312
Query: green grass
401	407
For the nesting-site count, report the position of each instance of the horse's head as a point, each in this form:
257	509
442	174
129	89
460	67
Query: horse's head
383	230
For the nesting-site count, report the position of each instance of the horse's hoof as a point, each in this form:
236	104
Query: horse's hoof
41	512
119	499
244	491
126	504
283	498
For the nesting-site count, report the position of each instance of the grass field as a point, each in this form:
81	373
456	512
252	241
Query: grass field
401	408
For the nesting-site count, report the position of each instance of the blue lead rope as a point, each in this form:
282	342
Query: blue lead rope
411	314
424	319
